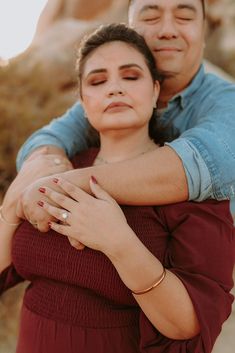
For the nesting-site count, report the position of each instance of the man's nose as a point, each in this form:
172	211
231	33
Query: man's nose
168	28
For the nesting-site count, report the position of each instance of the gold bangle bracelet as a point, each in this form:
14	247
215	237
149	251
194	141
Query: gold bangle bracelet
139	292
3	219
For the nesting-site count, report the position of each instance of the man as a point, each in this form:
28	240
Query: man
197	165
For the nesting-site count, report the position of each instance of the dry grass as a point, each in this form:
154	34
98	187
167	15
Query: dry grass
28	100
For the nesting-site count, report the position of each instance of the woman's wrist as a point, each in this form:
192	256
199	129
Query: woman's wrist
118	249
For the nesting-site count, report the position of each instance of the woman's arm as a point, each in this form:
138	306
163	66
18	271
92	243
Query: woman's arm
168	306
100	224
194	296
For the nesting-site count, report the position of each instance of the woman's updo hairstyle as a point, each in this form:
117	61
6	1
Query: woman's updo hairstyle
112	33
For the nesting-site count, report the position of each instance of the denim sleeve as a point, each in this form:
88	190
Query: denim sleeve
207	151
197	173
66	132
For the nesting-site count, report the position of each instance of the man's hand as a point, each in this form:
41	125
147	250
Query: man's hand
38	165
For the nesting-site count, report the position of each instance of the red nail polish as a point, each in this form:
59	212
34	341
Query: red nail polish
93	179
55	180
42	190
40	203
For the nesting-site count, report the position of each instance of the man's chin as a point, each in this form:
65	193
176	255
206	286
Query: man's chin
168	69
168	73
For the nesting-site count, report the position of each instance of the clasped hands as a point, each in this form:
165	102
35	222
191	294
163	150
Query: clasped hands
87	220
45	200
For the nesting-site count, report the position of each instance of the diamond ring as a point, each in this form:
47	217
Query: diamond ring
64	215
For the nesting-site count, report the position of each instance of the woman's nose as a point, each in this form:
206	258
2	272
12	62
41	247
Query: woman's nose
116	93
115	89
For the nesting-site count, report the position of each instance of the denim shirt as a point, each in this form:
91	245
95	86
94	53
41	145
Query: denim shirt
204	115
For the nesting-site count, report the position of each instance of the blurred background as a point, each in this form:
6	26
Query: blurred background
38	42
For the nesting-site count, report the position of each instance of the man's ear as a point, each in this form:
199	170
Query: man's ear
156	93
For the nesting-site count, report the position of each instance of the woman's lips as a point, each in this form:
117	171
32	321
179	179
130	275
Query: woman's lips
117	107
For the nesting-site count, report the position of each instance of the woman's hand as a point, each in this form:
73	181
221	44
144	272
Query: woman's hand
95	221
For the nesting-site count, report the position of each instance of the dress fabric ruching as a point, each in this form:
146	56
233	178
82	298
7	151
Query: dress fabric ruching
77	303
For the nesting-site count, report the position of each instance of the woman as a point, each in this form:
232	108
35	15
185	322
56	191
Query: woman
149	279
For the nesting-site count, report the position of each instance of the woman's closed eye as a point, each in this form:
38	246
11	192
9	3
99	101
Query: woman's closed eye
131	78
97	82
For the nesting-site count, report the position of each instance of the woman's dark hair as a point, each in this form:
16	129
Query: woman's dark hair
111	33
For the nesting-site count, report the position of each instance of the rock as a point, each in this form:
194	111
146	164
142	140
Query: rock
220	44
56	10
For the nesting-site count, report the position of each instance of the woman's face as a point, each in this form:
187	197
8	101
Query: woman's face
117	88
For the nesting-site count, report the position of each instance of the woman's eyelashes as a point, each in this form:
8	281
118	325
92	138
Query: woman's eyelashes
97	82
129	77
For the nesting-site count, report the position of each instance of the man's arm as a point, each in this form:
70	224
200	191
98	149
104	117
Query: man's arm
200	163
156	177
63	134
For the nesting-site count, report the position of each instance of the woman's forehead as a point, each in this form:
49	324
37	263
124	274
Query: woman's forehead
115	53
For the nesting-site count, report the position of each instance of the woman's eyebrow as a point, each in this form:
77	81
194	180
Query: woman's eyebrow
96	71
128	66
122	67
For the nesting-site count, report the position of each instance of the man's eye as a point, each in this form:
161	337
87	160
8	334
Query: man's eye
151	19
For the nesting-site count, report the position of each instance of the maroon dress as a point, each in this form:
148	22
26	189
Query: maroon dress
77	303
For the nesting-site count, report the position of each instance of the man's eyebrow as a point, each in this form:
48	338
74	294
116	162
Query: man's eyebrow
156	7
187	7
149	7
122	67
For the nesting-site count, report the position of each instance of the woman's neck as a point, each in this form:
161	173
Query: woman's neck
120	146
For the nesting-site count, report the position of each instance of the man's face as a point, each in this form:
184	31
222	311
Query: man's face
174	31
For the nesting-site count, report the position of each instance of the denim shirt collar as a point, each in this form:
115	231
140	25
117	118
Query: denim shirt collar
182	97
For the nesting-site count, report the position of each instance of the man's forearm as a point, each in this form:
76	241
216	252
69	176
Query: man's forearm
155	178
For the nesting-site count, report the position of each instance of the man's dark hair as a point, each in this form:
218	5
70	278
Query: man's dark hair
202	1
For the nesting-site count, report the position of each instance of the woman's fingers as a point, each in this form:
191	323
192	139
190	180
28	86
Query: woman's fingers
60	228
72	190
99	192
59	213
64	230
60	199
76	244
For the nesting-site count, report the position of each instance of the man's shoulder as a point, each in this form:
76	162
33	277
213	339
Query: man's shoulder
215	90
